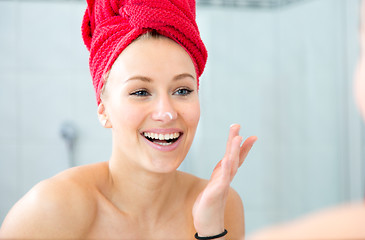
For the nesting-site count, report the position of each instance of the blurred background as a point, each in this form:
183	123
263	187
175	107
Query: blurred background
282	69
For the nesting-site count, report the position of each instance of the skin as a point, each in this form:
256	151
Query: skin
138	193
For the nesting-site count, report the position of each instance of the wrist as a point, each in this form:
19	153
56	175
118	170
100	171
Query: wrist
210	232
219	236
211	223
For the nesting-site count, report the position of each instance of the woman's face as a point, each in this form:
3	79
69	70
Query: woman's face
151	100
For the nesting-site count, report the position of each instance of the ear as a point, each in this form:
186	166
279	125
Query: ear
103	117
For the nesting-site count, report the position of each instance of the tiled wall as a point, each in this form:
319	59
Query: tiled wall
285	75
44	82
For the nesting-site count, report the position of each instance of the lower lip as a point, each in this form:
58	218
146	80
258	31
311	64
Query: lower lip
162	148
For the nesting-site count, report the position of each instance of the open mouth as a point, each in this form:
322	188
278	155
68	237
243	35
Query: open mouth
161	138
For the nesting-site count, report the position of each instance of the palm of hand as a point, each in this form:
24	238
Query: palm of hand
208	209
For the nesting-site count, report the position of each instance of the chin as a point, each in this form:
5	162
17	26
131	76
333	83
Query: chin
165	164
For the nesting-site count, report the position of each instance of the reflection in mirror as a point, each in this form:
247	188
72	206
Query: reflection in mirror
344	221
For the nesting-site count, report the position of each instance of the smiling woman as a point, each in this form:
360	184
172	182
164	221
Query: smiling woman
151	80
146	58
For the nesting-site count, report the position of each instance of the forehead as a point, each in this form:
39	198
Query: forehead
154	56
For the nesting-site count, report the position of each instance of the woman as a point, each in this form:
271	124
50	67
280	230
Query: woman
145	59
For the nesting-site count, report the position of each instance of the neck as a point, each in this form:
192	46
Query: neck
139	193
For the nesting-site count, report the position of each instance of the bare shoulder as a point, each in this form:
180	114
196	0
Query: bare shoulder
344	221
60	207
234	214
193	184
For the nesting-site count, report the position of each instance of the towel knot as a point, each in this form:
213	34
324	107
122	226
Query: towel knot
109	26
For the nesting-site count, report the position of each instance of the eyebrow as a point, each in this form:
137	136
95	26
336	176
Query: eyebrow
147	79
184	75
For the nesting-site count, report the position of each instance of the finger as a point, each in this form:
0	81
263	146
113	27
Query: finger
218	165
245	148
226	170
230	162
233	131
234	156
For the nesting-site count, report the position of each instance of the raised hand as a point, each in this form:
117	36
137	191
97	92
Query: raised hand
209	207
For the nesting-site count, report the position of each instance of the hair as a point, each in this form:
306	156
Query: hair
150	34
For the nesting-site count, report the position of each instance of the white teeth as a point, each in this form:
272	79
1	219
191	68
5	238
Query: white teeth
167	136
161	136
164	144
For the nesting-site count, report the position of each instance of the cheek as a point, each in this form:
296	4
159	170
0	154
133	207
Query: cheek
127	117
132	113
191	114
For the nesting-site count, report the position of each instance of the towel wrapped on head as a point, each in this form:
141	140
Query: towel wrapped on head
109	26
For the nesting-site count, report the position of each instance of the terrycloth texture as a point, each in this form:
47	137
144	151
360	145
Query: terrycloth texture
109	26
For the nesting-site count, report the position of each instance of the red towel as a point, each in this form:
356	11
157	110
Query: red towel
109	26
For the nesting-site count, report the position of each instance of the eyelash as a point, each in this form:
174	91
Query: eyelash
144	93
140	93
187	91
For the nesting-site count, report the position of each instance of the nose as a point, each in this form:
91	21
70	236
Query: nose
164	110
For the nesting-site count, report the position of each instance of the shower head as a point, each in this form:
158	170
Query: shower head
68	132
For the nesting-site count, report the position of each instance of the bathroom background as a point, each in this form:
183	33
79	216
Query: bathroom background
282	69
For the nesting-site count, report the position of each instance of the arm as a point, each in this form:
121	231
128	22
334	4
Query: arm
209	211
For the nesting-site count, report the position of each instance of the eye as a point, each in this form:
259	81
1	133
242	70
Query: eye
140	93
183	91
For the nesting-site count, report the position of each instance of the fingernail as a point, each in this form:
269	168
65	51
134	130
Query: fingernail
234	124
